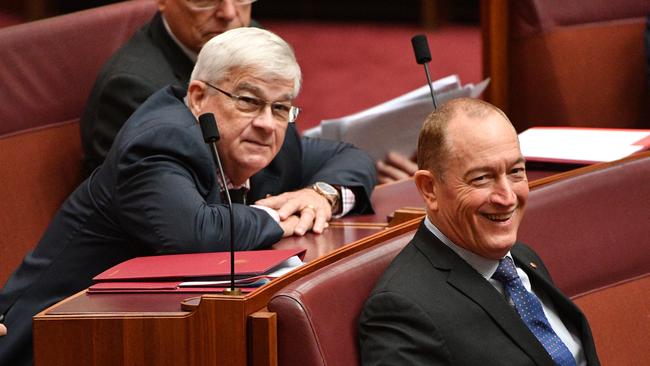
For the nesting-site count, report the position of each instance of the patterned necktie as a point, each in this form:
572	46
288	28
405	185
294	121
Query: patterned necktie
530	310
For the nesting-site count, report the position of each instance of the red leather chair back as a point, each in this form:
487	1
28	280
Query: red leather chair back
317	316
592	229
47	69
569	63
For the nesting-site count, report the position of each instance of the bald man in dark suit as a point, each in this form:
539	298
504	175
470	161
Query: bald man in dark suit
464	291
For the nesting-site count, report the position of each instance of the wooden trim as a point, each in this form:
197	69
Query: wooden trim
262	340
585	170
494	32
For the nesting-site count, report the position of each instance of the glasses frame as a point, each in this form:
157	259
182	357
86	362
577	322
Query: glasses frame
216	4
293	110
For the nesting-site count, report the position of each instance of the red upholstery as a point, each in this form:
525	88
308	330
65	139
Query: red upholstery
318	315
592	229
575	63
47	69
619	316
49	66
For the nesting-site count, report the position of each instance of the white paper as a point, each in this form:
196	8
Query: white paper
586	145
394	125
286	266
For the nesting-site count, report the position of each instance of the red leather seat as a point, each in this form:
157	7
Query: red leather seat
559	63
47	69
318	315
591	229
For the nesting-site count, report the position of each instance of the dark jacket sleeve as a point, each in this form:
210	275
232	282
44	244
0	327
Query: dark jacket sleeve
339	163
161	191
111	103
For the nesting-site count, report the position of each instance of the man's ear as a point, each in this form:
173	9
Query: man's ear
162	5
196	96
427	184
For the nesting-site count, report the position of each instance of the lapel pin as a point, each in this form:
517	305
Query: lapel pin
533	265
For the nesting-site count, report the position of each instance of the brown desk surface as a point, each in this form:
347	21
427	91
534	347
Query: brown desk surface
386	199
317	246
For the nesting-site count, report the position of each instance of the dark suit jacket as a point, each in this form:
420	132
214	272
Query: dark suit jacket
157	192
432	308
149	61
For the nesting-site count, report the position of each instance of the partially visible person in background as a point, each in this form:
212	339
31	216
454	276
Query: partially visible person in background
395	167
162	52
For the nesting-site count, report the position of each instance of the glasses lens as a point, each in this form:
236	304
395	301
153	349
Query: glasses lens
203	4
249	104
293	114
210	4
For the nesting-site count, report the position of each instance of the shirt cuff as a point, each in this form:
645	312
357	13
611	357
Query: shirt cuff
347	202
273	213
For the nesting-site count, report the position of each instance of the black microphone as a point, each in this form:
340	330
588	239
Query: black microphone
211	136
422	57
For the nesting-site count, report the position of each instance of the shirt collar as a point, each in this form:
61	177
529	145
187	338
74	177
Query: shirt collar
484	266
246	185
191	54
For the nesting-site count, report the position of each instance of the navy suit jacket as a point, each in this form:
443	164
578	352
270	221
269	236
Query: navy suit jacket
157	193
432	308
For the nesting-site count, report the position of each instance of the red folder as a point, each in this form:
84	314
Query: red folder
178	267
154	287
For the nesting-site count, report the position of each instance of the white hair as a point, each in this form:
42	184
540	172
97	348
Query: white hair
265	52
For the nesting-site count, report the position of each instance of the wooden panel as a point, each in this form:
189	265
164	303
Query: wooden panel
494	29
263	345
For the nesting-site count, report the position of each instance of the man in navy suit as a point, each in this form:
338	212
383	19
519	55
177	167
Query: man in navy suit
158	190
162	52
446	299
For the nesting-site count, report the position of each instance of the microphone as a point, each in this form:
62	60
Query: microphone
211	136
422	57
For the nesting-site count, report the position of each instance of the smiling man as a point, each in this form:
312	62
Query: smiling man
464	292
158	191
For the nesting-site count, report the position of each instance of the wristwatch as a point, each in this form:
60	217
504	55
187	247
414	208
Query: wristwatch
330	193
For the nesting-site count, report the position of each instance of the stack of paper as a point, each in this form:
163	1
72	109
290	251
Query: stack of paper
581	145
395	124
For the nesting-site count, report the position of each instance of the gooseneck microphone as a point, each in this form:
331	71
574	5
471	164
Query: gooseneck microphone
211	136
423	57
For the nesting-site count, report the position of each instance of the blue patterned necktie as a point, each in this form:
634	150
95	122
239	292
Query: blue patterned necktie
530	310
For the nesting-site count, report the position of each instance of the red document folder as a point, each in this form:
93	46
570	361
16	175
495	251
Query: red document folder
164	273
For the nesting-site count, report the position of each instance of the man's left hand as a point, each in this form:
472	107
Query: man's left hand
314	210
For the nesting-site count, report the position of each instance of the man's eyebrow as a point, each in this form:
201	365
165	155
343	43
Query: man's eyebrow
486	168
256	90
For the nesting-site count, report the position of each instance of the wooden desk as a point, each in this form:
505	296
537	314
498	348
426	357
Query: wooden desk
153	329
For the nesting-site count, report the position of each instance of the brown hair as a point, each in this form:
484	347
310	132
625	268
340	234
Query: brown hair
433	148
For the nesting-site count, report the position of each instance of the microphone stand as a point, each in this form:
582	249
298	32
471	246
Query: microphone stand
433	94
210	133
232	290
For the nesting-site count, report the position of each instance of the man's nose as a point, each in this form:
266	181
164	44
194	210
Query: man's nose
265	119
226	10
503	193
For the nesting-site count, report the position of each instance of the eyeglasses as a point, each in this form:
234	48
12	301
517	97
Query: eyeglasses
282	112
213	4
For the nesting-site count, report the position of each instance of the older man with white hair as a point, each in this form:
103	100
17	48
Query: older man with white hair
158	190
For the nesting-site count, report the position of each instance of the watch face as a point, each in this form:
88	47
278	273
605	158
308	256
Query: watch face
326	188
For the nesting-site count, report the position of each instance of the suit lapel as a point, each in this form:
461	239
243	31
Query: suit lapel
466	280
